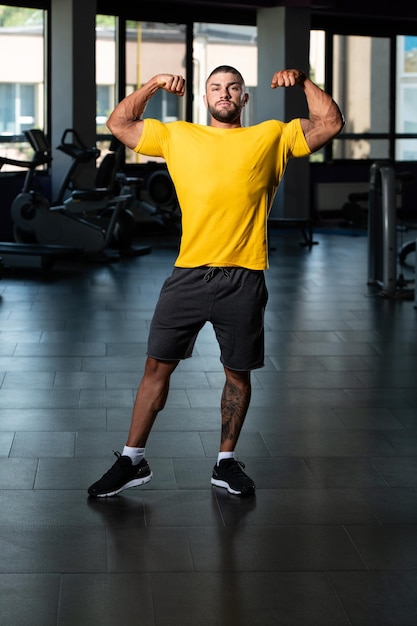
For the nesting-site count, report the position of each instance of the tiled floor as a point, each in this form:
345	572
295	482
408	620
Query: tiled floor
330	439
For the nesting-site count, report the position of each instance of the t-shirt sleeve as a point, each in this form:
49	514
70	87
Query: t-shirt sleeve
153	139
298	146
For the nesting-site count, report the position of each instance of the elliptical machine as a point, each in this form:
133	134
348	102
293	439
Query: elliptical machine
36	220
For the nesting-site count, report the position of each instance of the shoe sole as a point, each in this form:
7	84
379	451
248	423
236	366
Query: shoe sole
136	482
225	485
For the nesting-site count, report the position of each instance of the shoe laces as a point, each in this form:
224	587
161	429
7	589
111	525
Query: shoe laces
236	466
116	466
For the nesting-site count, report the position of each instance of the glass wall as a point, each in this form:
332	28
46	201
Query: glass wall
154	48
106	59
218	44
361	86
362	78
22	82
378	97
406	98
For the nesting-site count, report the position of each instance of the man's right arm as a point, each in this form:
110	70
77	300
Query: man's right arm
126	122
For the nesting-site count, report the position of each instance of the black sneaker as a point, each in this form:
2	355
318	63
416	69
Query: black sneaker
121	475
230	475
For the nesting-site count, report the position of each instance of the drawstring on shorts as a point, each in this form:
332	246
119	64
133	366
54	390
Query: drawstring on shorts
212	271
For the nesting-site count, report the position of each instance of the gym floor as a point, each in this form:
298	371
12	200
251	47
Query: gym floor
330	439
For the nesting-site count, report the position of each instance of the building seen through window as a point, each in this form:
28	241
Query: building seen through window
378	126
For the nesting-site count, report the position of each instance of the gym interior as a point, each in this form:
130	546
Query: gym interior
87	237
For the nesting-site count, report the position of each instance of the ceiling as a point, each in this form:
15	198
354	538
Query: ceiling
400	10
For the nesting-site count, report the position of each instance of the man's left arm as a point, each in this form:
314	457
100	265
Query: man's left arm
325	118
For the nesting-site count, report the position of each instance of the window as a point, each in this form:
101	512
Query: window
151	46
406	103
22	86
358	65
363	81
105	70
224	44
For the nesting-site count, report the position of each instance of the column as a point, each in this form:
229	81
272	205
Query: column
283	43
73	87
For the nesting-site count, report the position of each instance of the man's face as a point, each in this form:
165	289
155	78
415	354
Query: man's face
225	97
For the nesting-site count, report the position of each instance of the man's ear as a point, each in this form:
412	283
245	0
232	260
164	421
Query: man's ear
205	101
245	99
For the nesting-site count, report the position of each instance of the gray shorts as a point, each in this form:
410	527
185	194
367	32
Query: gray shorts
232	299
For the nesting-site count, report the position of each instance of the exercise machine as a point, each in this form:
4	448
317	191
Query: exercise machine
37	221
155	200
384	185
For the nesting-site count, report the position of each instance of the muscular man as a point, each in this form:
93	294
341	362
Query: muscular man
226	177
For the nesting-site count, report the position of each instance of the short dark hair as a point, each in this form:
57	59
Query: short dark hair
226	69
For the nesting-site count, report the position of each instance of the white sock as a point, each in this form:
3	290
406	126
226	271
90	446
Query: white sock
225	455
136	454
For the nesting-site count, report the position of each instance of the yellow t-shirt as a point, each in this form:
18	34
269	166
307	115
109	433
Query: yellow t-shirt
225	180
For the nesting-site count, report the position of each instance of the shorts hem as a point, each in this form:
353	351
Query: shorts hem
164	358
243	369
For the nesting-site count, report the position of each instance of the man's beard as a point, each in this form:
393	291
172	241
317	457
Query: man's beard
226	115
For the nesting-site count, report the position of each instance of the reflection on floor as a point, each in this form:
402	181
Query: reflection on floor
330	440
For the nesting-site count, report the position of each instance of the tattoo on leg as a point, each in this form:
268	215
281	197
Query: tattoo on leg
234	405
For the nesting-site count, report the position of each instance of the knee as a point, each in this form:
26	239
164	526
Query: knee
238	378
159	371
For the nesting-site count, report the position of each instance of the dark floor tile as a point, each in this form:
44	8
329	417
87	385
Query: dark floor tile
388	547
105	599
23	380
330	440
393	506
304	506
175	444
280	473
103	398
79	380
47	419
387	378
68	473
47	508
346	472
405	441
398	472
273	549
188	419
245	599
40	364
100	444
383	397
46	398
29	549
300	399
377	598
29	599
193	473
407	417
181	508
316	348
296	364
148	549
43	444
308	380
6	441
330	444
368	419
67	349
343	363
17	473
280	420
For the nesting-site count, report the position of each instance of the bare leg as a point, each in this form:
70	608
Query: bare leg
234	406
150	399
